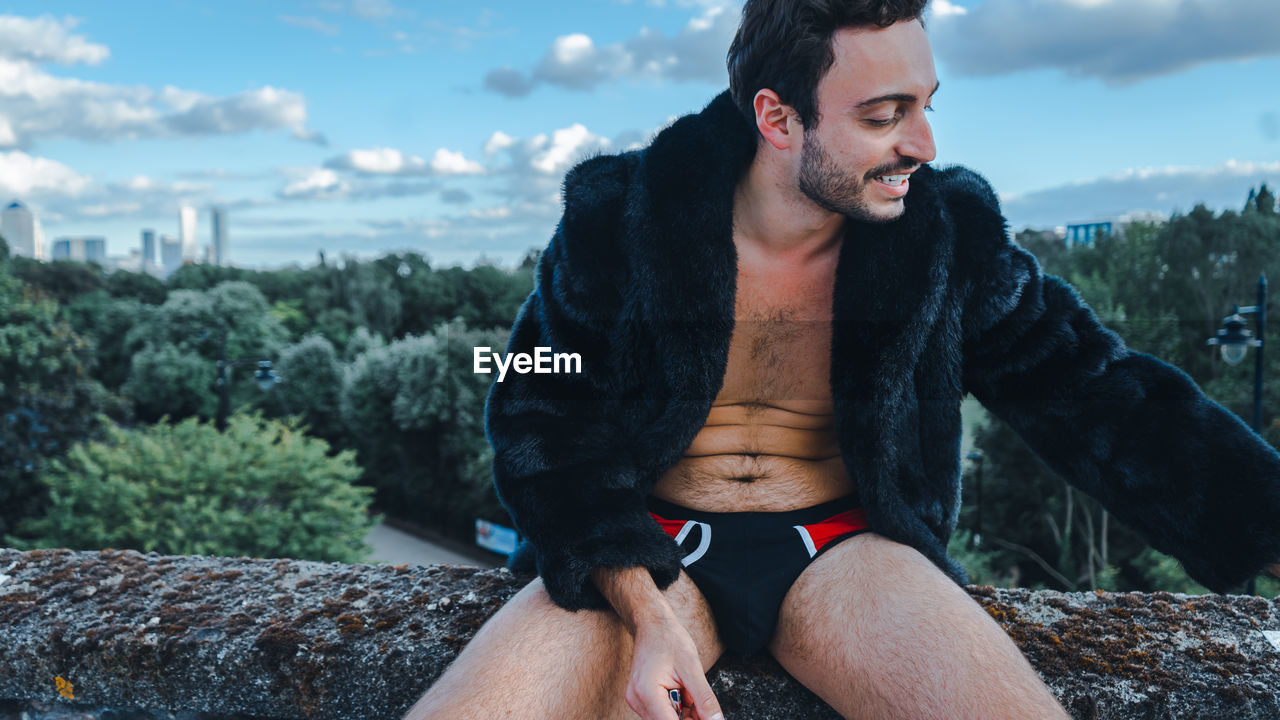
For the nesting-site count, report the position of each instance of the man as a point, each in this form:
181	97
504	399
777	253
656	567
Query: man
779	306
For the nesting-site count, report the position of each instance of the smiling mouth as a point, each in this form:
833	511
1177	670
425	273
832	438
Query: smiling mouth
894	180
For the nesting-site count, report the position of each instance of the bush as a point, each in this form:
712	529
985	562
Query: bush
415	412
261	489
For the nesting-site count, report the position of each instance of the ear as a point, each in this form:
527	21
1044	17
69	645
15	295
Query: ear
778	123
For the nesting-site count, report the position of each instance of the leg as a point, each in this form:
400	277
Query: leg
534	660
877	631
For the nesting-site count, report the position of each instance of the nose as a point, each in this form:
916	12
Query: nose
916	142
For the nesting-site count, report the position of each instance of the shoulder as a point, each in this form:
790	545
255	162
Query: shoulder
972	207
594	194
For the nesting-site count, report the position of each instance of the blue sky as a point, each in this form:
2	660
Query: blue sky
368	126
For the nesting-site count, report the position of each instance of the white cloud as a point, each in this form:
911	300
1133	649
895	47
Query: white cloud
1119	41
574	61
498	142
47	39
378	161
316	183
942	8
1161	189
447	162
566	145
23	175
389	161
266	107
37	105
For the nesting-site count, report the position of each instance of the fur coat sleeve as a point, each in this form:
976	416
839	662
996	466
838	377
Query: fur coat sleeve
563	456
1132	431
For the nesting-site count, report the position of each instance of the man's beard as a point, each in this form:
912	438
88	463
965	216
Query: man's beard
835	190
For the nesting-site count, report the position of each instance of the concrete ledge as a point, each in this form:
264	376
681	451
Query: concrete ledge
292	639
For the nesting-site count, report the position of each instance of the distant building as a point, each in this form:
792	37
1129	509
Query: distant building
21	229
170	253
218	219
187	233
148	250
81	249
1086	233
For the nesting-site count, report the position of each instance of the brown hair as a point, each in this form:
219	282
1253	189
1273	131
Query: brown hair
785	45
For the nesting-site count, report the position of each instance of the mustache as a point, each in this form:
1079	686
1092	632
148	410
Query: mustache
902	166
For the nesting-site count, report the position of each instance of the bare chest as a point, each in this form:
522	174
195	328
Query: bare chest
780	352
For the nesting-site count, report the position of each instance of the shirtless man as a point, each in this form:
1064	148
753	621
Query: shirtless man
775	550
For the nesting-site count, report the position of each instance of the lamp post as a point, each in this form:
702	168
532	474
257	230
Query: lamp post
1234	341
978	458
265	377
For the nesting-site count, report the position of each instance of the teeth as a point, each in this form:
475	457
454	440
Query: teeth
893	179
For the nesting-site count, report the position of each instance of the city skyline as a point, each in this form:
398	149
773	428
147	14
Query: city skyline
371	126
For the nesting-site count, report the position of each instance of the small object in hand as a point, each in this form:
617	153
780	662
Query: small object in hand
675	699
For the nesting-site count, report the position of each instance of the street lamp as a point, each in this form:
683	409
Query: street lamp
1234	341
978	458
264	376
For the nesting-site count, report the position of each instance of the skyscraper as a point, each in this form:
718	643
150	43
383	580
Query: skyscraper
21	229
187	233
170	253
148	249
219	220
81	249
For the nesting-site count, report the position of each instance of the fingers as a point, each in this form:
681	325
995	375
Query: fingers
698	693
651	703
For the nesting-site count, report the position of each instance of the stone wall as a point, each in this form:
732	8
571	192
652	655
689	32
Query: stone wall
200	637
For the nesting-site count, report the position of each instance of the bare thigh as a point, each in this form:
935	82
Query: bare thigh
535	660
878	631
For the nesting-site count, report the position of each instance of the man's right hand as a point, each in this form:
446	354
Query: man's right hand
666	658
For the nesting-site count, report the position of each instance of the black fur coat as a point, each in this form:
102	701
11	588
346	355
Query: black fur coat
639	280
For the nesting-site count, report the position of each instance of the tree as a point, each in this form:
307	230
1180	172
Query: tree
261	489
311	387
142	287
1164	289
415	411
178	346
61	280
48	401
110	321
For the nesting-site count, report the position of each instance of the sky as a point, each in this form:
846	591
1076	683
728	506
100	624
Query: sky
361	127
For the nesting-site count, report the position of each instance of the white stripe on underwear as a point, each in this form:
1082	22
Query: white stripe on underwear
808	539
703	543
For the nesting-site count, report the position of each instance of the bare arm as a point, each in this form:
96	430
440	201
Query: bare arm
665	657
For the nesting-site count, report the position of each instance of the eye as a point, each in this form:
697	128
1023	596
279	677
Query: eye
881	122
928	108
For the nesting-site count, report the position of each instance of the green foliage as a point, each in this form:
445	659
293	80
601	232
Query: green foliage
311	387
261	489
110	321
178	345
167	380
47	399
157	344
142	287
60	280
415	410
1164	289
290	315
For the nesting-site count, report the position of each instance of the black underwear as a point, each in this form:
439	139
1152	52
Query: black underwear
744	562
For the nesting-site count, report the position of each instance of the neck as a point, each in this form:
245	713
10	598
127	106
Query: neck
771	215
